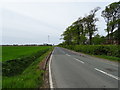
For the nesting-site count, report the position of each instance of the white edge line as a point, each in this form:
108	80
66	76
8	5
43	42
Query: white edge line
115	77
50	73
79	60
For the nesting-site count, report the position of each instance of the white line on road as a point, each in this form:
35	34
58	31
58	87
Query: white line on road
67	54
115	77
79	60
50	73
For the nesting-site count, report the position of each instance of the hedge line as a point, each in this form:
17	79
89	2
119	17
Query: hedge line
17	66
109	50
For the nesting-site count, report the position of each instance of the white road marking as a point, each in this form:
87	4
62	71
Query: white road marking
79	60
67	54
50	73
110	75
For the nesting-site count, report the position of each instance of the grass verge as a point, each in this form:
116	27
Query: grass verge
116	59
32	77
110	52
110	58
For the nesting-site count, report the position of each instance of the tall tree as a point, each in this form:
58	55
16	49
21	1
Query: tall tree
90	22
78	31
106	16
67	36
111	15
97	39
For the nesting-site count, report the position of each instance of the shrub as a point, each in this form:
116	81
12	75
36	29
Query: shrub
108	50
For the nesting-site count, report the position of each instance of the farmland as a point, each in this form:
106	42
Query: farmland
10	52
0	53
21	66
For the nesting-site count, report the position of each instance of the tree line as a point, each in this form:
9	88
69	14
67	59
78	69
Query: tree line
27	45
82	31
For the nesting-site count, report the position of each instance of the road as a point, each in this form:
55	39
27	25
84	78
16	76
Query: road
72	70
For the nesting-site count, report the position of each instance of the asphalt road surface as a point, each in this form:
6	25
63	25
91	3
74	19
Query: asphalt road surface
74	70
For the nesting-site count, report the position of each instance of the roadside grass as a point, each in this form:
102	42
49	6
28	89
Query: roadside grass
17	66
111	58
32	77
0	78
13	52
110	52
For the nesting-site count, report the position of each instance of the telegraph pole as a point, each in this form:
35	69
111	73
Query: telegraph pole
48	39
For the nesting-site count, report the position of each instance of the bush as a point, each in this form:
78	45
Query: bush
108	50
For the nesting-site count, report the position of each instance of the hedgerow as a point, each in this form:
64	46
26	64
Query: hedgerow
108	50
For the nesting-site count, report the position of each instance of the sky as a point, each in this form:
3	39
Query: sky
32	21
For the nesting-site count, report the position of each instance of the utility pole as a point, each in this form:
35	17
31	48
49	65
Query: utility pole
48	39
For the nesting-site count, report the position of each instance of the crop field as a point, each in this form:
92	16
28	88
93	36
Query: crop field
13	52
0	53
0	67
20	66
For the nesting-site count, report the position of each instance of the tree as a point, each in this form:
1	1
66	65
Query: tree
106	16
90	23
111	15
97	39
78	31
67	36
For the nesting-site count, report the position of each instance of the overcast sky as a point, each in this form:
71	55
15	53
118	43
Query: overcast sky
31	21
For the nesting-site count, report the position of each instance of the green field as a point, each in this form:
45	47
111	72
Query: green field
21	66
13	52
0	53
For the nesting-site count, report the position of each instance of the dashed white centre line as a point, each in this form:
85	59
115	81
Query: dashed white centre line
67	54
79	60
110	75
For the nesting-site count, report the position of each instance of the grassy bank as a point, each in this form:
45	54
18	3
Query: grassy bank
111	58
111	52
31	76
